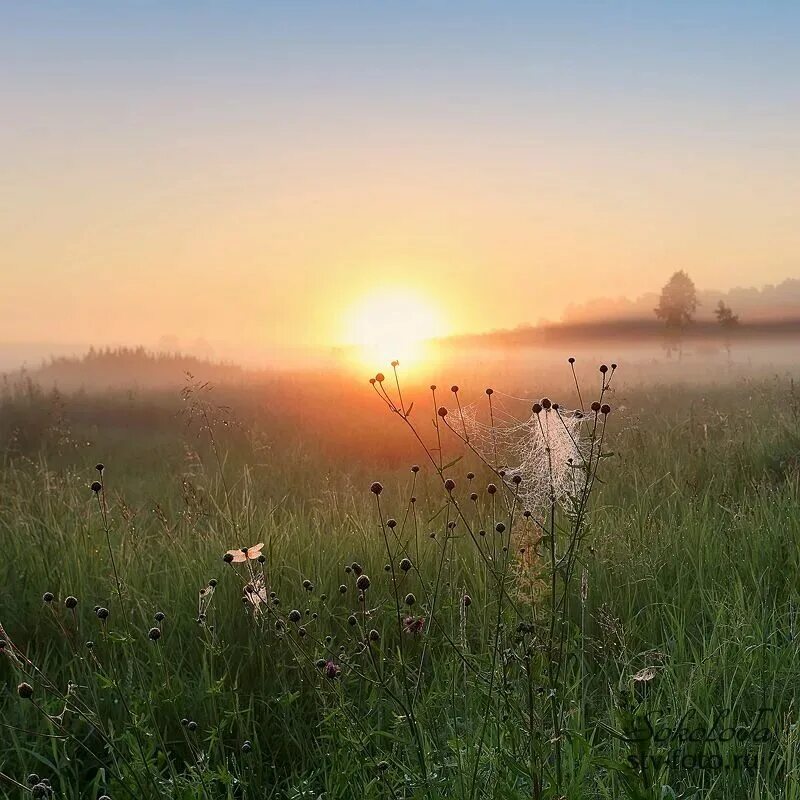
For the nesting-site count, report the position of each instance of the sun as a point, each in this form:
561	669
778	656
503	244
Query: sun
391	324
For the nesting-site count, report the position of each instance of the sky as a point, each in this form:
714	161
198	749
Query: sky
259	175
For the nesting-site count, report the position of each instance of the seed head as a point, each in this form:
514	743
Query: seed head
380	377
415	468
603	369
159	616
433	387
227	558
536	408
571	360
32	779
25	691
442	412
490	392
308	586
342	589
212	583
376	488
192	726
500	527
546	404
605	409
391	522
374	636
470	476
395	363
102	613
363	582
613	366
356	567
47	597
491	488
70	601
351	620
246	746
295	615
154	634
595	406
467	600
517	479
382	766
96	486
449	484
99	467
473	496
405	564
410	599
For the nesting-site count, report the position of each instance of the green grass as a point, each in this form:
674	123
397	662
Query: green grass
691	557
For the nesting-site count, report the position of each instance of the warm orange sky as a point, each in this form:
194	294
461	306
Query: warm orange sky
247	175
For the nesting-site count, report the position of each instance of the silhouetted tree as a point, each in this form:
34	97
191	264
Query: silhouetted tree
728	321
676	307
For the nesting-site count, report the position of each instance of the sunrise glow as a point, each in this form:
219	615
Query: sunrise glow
392	324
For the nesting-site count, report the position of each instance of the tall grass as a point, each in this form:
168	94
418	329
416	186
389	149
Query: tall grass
438	679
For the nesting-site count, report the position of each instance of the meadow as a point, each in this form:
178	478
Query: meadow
634	636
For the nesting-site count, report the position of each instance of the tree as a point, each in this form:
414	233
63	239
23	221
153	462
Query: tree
676	308
728	322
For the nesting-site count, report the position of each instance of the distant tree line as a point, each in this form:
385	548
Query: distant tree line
676	308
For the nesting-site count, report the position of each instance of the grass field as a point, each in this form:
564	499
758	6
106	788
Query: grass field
679	618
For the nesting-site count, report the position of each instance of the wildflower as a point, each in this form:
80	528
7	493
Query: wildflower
47	597
244	554
363	582
332	670
414	625
376	488
154	634
96	486
25	691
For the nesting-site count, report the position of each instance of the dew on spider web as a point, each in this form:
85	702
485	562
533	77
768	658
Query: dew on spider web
548	450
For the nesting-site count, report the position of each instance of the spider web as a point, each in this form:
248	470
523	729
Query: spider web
548	451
